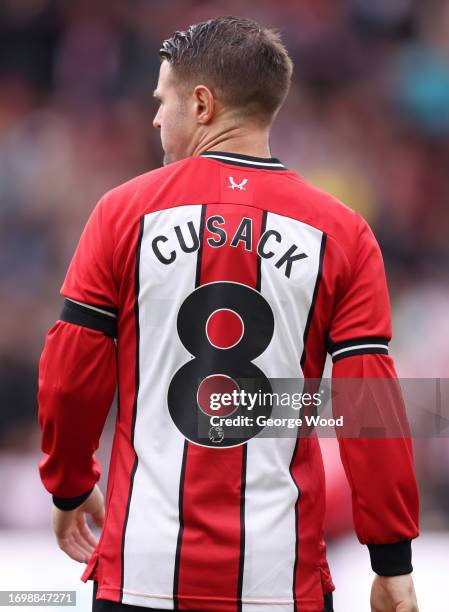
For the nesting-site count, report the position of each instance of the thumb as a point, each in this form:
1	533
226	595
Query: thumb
94	505
98	517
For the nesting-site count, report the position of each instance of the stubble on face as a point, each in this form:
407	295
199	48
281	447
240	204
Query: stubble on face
174	121
178	130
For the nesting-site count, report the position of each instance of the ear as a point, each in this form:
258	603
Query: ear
204	104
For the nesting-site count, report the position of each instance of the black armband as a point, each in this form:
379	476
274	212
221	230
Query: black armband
100	318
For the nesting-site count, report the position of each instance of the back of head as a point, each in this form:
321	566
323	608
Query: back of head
245	65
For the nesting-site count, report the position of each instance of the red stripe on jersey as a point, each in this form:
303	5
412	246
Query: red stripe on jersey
211	547
308	576
123	459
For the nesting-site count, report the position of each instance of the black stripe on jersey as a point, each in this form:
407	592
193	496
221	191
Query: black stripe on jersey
259	258
295	565
245	161
200	249
242	529
303	363
137	383
358	346
181	528
89	316
314	297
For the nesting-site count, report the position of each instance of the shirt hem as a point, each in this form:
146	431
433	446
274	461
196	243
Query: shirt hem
157	600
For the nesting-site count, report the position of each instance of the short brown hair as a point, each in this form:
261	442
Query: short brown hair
246	64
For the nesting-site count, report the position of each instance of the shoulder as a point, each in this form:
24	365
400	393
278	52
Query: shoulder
145	183
125	204
318	207
345	229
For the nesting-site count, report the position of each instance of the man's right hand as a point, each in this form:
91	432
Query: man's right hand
72	531
393	594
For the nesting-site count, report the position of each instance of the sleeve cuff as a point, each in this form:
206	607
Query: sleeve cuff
391	559
70	503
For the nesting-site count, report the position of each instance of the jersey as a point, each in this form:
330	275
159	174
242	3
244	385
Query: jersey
233	266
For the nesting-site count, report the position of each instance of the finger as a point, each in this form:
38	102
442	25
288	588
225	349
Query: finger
71	548
82	548
79	539
88	550
87	533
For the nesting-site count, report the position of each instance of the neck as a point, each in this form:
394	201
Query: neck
253	142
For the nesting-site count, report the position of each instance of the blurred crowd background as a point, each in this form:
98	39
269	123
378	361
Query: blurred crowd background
367	119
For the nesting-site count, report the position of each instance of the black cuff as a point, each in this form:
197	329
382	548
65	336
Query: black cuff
391	559
70	503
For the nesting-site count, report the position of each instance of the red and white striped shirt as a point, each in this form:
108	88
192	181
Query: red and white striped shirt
229	265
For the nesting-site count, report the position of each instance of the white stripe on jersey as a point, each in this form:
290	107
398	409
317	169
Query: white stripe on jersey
269	529
359	346
270	546
153	523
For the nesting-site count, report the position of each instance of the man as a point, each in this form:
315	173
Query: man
222	266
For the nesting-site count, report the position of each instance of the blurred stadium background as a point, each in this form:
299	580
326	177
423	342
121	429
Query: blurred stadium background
367	119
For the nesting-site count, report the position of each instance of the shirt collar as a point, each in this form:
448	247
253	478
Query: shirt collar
247	161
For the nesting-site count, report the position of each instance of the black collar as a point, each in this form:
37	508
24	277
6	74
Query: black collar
247	161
